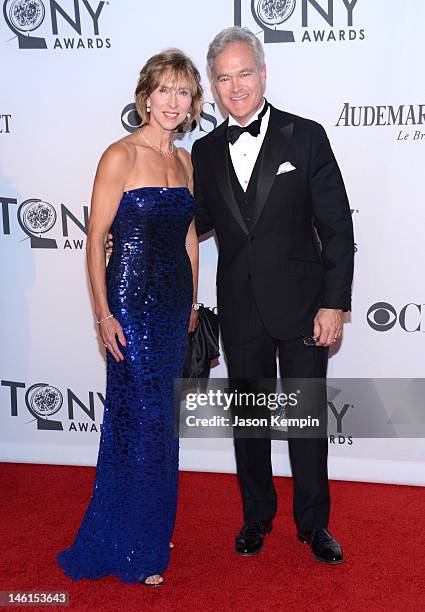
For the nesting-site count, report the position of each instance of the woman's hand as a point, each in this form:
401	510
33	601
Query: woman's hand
192	249
109	244
109	330
193	322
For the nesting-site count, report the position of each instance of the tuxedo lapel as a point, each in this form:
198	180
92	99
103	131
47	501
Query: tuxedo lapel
275	144
220	158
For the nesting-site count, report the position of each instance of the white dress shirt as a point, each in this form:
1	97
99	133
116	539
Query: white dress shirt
245	151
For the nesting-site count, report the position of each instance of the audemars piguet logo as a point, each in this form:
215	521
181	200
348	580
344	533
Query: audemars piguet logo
307	21
408	118
46	24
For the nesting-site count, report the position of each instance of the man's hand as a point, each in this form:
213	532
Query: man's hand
328	326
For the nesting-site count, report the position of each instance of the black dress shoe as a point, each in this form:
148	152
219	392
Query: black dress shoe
249	540
323	545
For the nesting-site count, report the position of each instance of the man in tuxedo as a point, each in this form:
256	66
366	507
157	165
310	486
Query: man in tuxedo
268	184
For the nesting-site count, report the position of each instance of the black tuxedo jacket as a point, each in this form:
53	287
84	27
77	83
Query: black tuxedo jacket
279	262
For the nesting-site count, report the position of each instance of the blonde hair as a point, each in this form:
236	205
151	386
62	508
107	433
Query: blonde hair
179	65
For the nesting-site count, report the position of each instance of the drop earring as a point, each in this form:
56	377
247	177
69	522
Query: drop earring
148	108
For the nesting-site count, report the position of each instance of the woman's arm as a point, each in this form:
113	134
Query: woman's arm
192	244
107	192
192	248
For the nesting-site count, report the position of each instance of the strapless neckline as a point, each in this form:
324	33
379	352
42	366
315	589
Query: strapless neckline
156	188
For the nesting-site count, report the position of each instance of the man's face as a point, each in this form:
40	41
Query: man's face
238	81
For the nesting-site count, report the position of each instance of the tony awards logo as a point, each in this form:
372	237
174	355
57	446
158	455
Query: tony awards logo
35	218
43	224
22	17
272	13
304	21
42	401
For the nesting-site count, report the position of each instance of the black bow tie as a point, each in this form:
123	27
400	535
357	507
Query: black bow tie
234	131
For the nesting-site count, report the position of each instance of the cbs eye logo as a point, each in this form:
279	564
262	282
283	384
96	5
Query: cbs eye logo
382	317
130	119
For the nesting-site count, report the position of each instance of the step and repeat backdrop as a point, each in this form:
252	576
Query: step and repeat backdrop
68	72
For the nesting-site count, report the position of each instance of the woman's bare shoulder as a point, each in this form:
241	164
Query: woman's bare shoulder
120	154
121	150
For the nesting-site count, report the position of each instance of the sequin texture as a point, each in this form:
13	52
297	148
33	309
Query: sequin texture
129	522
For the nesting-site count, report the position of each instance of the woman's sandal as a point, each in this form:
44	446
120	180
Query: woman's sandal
153	584
157	584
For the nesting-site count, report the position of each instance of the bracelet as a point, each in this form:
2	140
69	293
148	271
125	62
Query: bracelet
196	305
105	319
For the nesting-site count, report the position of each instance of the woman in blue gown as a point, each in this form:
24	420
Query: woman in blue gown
144	308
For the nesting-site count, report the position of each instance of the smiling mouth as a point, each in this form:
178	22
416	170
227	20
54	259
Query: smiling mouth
171	115
238	98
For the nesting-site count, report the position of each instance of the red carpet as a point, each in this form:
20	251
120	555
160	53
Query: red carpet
381	528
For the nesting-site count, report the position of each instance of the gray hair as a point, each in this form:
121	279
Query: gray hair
231	35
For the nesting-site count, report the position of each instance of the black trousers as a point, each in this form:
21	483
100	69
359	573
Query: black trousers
308	456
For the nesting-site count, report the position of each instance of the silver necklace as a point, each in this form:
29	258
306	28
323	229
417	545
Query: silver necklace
173	148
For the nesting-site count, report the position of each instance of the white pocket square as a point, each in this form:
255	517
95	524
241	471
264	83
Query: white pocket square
285	167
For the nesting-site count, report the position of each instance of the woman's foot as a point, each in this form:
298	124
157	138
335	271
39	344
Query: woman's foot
155	580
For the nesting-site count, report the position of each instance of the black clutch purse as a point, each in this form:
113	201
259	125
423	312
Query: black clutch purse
203	345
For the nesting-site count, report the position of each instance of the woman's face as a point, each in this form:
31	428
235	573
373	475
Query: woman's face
170	101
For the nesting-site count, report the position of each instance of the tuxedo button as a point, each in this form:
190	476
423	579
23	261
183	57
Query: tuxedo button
248	219
251	238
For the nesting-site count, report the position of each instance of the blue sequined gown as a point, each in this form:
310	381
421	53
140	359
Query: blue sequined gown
129	522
